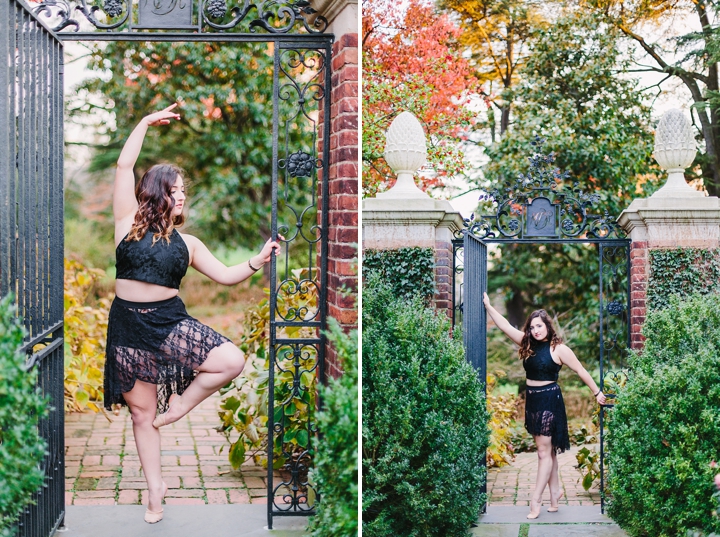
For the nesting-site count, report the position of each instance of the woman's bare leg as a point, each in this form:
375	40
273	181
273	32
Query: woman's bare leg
545	465
142	400
222	365
554	483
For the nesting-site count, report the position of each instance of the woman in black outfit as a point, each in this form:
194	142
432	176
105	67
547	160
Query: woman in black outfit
543	354
158	357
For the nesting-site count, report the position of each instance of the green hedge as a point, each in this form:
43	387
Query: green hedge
336	464
682	272
408	271
424	421
21	448
666	424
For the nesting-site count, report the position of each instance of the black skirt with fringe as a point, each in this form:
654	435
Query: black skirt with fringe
156	342
545	415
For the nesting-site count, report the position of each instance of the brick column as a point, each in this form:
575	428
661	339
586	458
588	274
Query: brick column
639	274
343	174
662	222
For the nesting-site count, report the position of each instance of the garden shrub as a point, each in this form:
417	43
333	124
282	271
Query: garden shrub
424	421
503	409
336	464
21	405
85	338
666	424
408	271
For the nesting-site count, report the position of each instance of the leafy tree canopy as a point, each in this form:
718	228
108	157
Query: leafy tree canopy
412	61
687	52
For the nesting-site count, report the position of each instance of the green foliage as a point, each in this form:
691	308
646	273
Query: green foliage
589	466
424	421
336	464
21	405
408	271
502	409
682	272
224	139
85	339
666	424
598	127
243	410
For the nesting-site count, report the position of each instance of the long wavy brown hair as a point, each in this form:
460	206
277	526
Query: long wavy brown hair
528	341
155	204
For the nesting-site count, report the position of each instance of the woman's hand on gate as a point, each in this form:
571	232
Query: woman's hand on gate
268	249
600	398
162	117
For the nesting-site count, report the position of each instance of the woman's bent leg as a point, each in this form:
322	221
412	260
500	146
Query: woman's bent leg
142	400
554	483
222	365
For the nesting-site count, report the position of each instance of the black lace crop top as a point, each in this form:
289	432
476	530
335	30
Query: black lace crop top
541	366
160	263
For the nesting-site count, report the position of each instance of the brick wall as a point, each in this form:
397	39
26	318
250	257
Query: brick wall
343	187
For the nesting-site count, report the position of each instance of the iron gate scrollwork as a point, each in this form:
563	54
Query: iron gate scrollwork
300	159
537	209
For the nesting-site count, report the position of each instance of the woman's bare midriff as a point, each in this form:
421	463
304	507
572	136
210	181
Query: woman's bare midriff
538	382
135	291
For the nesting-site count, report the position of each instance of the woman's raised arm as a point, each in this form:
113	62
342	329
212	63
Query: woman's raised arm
124	202
502	323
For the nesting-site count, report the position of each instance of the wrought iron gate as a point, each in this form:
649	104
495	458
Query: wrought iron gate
31	228
535	210
301	102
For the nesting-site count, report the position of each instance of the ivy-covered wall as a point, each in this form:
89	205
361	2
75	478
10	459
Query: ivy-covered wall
683	272
408	271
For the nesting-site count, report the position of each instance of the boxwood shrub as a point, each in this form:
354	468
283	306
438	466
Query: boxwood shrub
666	424
336	464
424	421
21	448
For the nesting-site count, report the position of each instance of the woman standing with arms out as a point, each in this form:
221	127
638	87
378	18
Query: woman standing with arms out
155	350
543	354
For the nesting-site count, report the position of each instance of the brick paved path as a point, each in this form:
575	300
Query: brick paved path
103	468
513	485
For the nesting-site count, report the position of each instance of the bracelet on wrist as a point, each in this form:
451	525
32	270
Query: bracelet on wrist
251	267
598	392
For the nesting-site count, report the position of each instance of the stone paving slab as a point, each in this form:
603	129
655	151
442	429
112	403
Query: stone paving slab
103	468
178	521
507	514
496	530
514	484
577	530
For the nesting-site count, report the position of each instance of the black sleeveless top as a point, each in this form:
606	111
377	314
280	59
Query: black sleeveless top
160	263
541	366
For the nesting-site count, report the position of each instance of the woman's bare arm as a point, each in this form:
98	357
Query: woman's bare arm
124	202
202	260
568	358
502	323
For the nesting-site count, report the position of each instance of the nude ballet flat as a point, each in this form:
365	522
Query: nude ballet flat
534	514
160	421
555	509
153	517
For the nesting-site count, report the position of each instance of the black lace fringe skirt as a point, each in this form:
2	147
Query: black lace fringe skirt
156	342
545	415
